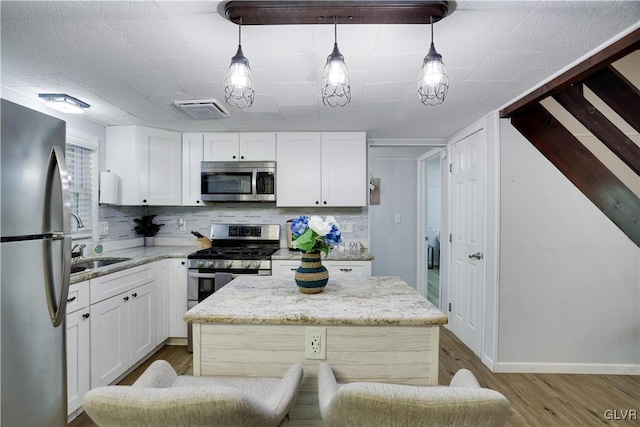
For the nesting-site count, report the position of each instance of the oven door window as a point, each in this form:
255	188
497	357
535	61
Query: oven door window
227	183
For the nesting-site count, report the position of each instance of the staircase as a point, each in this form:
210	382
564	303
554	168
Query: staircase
619	203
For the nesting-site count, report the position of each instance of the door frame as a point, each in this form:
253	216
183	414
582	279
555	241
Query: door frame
421	250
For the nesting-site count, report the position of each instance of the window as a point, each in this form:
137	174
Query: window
79	168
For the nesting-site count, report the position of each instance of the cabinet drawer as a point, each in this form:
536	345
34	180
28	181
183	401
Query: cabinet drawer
284	268
113	284
78	296
341	268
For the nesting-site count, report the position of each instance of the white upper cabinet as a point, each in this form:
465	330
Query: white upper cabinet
321	169
192	156
148	163
246	146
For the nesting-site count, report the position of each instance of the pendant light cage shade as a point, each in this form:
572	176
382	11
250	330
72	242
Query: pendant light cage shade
239	89
433	83
336	90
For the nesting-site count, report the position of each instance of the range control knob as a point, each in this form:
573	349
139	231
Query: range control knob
209	264
228	264
199	264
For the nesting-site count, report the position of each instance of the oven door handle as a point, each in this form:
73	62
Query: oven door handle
197	275
254	182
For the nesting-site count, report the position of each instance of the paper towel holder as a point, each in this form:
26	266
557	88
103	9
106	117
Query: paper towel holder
108	188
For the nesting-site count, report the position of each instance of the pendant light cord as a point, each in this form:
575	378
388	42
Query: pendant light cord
335	29
240	32
431	19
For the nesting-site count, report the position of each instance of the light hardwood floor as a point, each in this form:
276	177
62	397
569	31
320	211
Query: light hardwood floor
547	400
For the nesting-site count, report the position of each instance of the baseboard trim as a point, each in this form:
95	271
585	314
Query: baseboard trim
566	368
488	362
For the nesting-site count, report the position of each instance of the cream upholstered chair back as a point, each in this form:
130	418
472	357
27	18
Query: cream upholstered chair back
160	397
359	404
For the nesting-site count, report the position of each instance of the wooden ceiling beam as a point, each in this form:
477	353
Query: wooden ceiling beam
287	12
618	92
609	54
601	127
582	168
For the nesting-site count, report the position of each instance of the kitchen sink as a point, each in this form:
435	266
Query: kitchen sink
95	263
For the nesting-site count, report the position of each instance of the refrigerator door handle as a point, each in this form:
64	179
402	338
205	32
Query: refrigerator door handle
57	306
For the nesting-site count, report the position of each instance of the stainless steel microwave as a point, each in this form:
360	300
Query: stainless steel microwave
238	181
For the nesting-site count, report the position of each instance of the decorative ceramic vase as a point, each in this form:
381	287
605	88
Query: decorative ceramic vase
149	241
311	277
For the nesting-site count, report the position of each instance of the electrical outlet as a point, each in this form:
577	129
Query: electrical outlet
103	227
316	343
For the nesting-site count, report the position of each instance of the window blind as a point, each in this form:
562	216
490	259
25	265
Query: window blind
80	188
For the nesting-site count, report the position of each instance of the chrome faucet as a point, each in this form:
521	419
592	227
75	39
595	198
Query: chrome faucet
77	217
79	253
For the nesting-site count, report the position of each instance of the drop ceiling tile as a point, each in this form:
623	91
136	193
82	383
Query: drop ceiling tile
488	17
178	8
188	70
26	36
152	38
203	90
14	61
116	56
287	68
124	9
294	93
264	103
395	68
465	50
84	71
204	26
52	10
510	67
400	39
356	42
281	39
208	125
383	92
9	80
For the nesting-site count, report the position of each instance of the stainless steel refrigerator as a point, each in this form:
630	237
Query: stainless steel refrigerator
36	263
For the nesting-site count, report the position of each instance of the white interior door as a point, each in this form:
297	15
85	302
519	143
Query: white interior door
467	240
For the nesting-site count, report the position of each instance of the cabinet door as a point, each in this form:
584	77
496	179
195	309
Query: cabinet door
299	166
109	339
178	297
192	156
142	321
344	169
78	358
258	146
160	169
163	283
221	146
122	159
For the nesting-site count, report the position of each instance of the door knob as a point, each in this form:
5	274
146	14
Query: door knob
477	255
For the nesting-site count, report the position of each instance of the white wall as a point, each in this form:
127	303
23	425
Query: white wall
392	244
569	278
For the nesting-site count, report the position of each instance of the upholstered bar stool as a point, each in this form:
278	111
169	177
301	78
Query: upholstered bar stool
366	404
160	397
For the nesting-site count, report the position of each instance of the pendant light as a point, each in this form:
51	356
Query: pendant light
433	83
336	91
238	85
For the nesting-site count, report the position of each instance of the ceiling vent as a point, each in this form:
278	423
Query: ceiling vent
202	109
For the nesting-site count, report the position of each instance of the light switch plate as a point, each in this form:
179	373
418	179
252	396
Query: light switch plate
103	228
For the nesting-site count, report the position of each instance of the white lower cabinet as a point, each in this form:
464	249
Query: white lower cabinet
78	341
123	327
177	277
287	268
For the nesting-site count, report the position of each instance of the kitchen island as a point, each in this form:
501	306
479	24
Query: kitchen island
371	329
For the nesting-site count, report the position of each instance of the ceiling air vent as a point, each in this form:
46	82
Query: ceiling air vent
202	109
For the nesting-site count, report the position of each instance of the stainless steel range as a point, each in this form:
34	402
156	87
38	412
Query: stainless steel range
238	249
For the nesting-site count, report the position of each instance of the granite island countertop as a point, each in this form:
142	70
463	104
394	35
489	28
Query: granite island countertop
138	256
285	254
356	301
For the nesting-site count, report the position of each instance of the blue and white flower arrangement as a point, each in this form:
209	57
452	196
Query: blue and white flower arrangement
312	234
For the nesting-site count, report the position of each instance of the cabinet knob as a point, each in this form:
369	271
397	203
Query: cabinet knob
71	299
234	157
182	263
324	203
317	202
85	316
135	295
126	298
144	201
346	270
241	157
197	201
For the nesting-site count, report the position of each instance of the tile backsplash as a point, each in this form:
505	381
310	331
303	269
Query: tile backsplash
354	222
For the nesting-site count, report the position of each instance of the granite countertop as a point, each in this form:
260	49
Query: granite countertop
285	254
139	255
361	301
